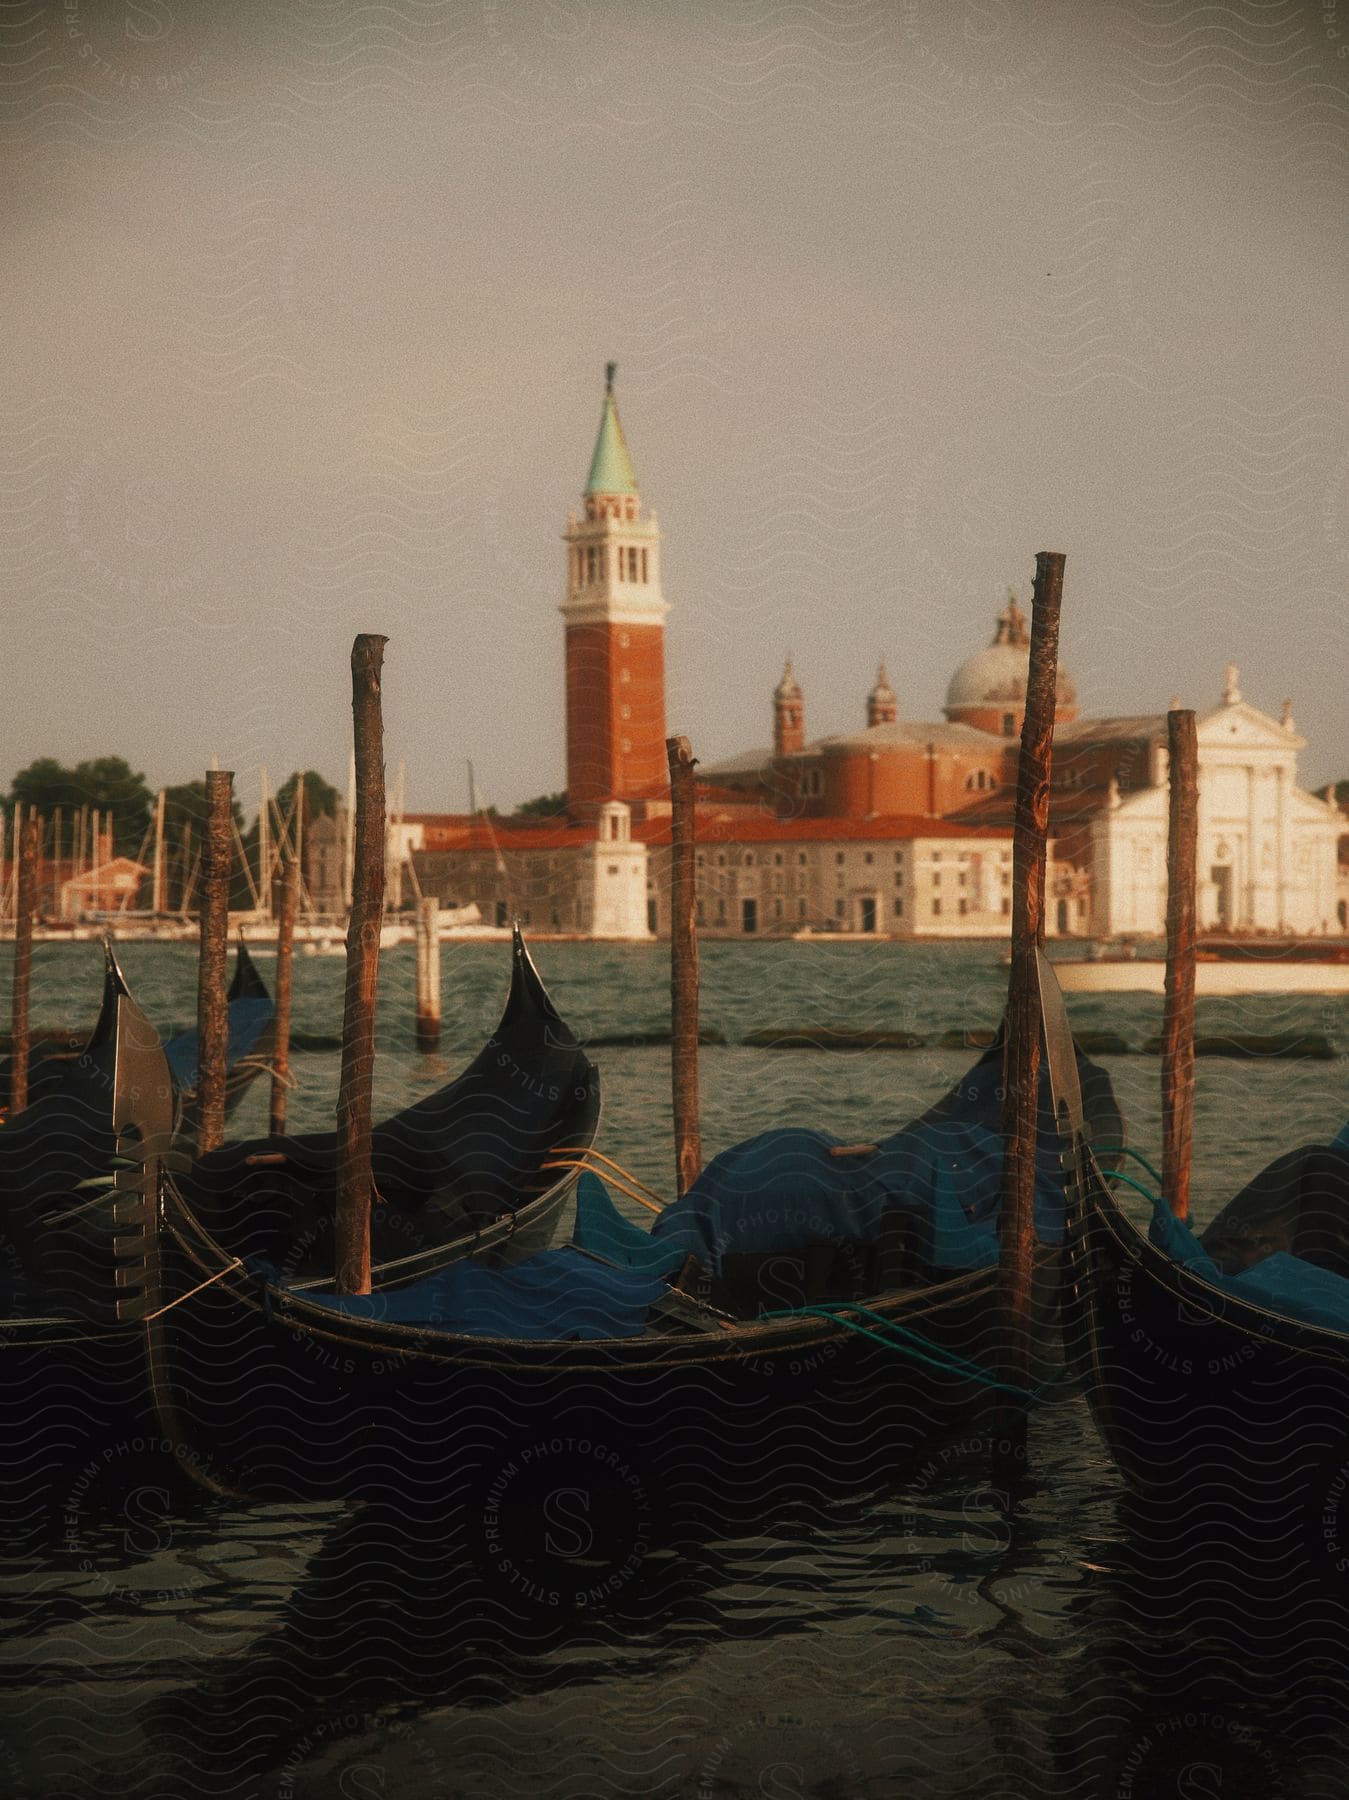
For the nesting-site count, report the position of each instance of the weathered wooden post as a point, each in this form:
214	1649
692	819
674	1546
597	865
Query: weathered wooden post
1016	1229
1178	1013
684	964
287	897
157	897
428	973
212	973
358	1017
27	840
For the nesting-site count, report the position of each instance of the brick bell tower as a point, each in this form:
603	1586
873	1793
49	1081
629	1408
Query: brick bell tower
615	633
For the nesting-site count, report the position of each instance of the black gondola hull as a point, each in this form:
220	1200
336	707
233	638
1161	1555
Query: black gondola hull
1214	1409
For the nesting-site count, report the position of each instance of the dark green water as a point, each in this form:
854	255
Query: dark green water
922	1639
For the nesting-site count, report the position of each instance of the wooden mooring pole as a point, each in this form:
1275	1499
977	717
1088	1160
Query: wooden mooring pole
684	965
27	840
212	968
1178	1013
428	973
363	928
288	886
1021	1080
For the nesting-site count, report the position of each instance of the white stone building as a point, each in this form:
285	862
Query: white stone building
1268	852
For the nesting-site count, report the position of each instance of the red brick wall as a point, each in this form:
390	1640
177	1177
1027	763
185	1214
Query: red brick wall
898	782
598	766
990	718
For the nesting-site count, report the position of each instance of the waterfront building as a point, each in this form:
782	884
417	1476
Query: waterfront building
901	827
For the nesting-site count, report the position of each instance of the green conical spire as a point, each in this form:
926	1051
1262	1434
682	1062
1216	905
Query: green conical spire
611	470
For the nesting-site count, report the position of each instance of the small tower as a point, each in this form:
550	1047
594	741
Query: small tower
789	714
615	627
882	707
1013	625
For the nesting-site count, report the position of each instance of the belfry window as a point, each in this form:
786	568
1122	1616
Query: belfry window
644	565
590	562
632	565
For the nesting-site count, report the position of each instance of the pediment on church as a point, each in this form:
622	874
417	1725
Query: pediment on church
1243	727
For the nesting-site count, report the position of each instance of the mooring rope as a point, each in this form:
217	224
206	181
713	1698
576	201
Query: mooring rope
1127	1150
910	1343
1128	1180
210	1281
619	1180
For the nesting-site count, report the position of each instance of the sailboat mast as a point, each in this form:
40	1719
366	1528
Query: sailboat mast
349	834
264	844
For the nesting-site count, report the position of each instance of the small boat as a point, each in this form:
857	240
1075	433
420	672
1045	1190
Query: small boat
464	1171
251	1013
461	1171
252	1021
1222	966
626	1356
1219	1381
72	1377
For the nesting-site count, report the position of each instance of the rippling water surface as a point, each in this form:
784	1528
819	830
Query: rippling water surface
922	1638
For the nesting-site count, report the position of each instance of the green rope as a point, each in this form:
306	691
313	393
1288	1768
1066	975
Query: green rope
1128	1180
1138	1156
837	1307
835	1311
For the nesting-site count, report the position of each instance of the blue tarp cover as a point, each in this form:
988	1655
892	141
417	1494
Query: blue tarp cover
783	1190
248	1019
1282	1283
602	1228
558	1294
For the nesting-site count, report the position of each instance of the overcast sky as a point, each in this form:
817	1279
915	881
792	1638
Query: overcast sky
307	305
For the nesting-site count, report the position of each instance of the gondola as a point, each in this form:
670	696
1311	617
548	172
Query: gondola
459	1172
1219	1395
464	1171
617	1358
71	1376
251	1016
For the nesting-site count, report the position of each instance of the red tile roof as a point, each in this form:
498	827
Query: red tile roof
451	833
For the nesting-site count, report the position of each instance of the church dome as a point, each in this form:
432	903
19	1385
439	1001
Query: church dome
992	683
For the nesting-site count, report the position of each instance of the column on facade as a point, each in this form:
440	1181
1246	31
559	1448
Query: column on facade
1252	847
1283	820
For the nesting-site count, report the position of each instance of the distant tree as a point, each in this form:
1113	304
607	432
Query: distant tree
321	798
184	832
543	806
106	782
186	804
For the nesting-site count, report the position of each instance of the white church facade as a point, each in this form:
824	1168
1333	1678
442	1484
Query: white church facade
1268	853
